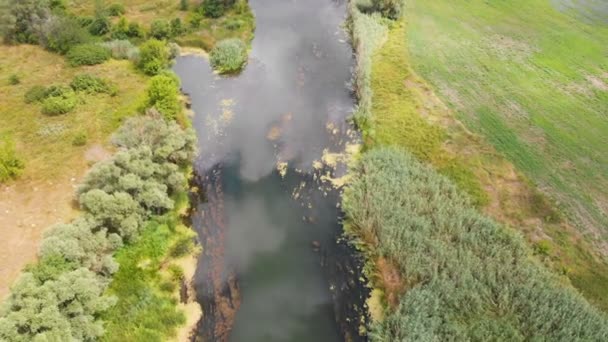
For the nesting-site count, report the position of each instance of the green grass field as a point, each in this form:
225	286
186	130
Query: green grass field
425	56
534	81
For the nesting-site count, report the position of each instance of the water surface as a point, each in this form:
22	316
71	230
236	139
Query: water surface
268	221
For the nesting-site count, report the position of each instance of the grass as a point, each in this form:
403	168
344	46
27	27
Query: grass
146	284
44	143
534	82
397	118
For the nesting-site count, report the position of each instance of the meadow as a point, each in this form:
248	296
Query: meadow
533	82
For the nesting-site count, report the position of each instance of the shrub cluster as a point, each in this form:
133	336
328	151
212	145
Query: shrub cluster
61	297
59	100
228	56
392	9
88	54
10	165
468	278
91	84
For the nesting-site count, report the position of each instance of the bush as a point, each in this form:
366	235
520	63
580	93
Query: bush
80	139
10	165
183	5
135	31
90	84
88	54
392	9
116	10
177	29
153	57
122	49
160	29
213	8
163	95
228	56
467	278
57	105
62	34
36	94
14	79
100	26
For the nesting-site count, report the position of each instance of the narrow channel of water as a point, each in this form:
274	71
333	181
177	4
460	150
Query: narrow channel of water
269	138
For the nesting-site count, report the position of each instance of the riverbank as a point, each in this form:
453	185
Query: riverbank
397	108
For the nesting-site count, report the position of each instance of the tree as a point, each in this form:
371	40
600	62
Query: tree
153	57
160	29
163	95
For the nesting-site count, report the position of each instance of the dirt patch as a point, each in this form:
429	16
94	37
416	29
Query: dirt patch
597	83
97	153
392	282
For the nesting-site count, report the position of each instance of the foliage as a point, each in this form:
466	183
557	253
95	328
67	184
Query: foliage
10	165
163	95
116	10
228	56
467	277
61	297
90	84
153	57
59	104
24	20
56	310
367	35
120	31
14	79
80	139
122	49
183	5
87	54
100	26
213	8
135	30
392	9
160	29
176	27
60	34
36	93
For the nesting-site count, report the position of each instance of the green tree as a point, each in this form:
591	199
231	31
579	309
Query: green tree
22	20
163	95
153	57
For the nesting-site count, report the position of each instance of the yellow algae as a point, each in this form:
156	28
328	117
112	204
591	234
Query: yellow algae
282	168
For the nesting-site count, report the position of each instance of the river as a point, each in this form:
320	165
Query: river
272	150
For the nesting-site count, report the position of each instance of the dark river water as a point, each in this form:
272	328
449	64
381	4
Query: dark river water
271	141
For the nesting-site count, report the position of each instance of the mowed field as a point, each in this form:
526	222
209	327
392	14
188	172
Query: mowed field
530	83
42	195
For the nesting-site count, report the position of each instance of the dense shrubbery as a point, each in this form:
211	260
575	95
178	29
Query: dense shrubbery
63	33
467	277
367	34
153	57
91	84
228	56
88	54
24	21
61	297
116	10
163	95
10	165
